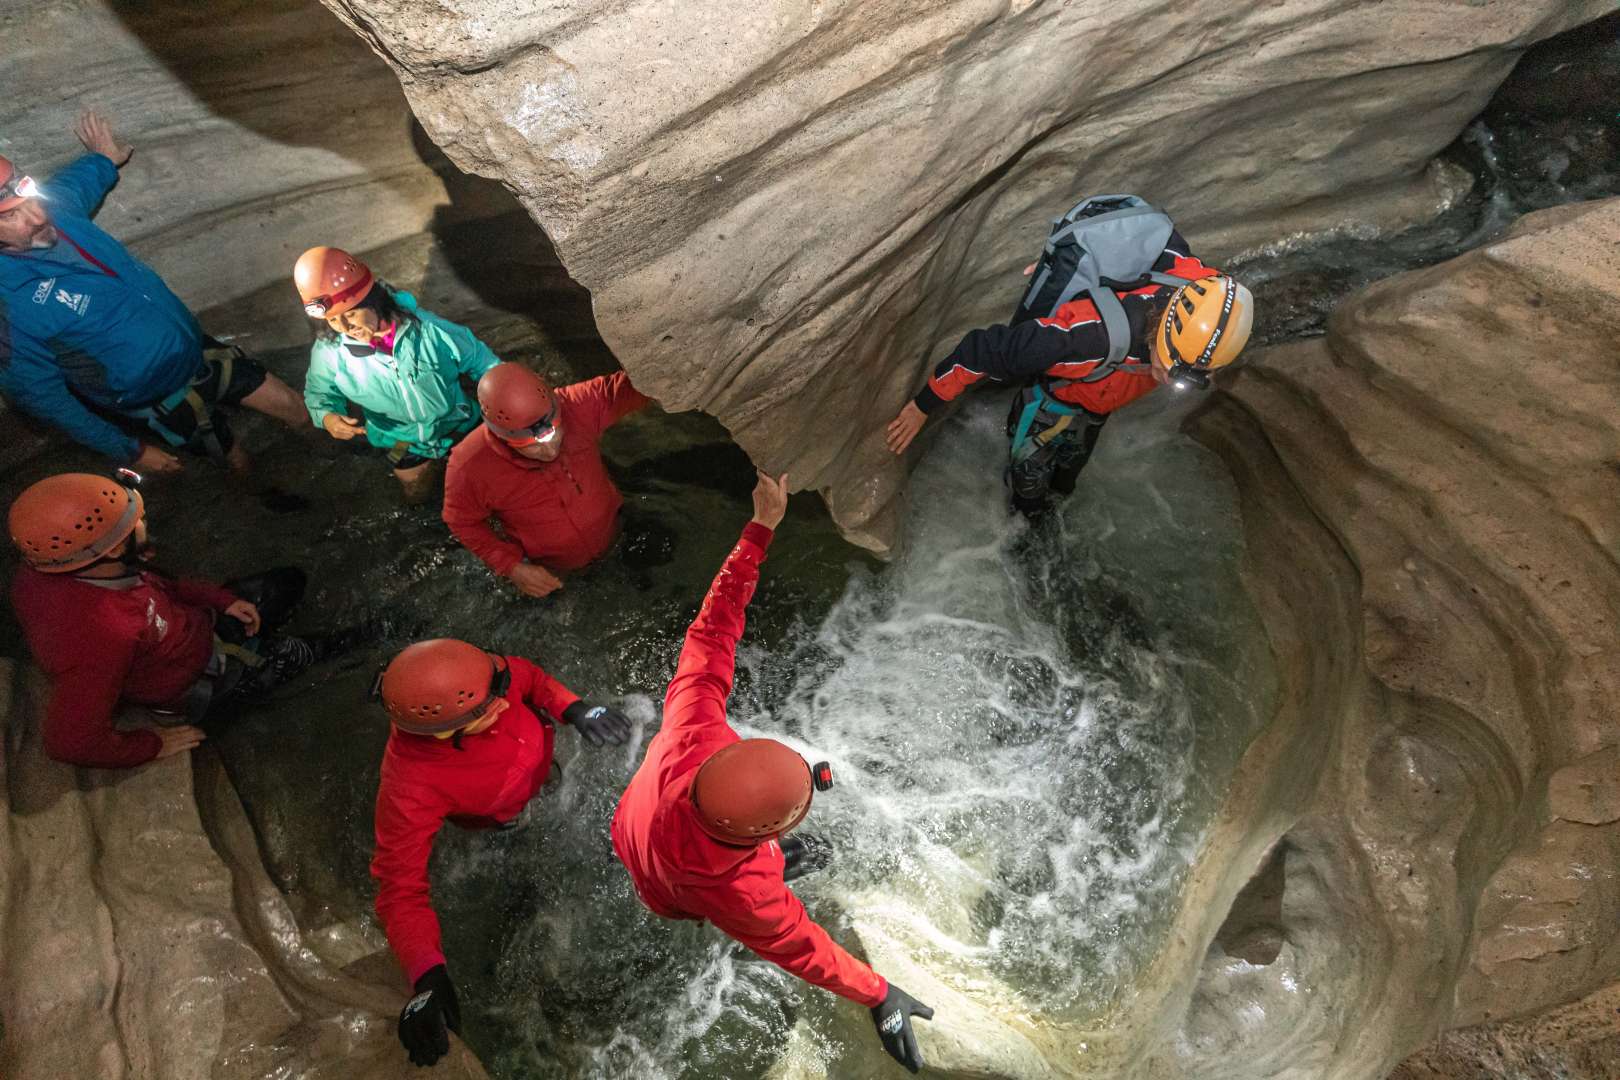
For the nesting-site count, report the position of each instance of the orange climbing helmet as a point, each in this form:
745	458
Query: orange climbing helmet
331	281
755	790
440	686
518	405
1204	327
14	186
69	521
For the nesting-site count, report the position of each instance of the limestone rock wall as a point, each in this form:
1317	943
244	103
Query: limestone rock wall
260	129
138	942
1458	860
786	211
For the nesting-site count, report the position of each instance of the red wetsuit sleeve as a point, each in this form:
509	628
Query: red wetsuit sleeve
608	399
468	518
84	695
202	593
539	689
697	695
775	925
406	823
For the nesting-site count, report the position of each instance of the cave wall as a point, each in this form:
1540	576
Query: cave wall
141	939
1458	861
260	129
786	211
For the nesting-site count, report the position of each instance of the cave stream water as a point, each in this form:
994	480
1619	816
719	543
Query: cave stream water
1029	730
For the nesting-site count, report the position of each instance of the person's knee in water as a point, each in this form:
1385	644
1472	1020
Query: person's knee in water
470	742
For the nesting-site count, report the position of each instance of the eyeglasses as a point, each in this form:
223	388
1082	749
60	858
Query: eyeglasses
18	186
540	433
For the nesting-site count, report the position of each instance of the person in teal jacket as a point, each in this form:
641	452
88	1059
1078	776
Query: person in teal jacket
401	365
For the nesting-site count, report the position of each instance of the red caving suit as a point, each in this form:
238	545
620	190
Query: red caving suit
427	781
143	638
562	514
678	870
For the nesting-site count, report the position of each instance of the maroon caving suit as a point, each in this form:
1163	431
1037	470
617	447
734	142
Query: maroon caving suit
562	514
142	638
678	870
484	782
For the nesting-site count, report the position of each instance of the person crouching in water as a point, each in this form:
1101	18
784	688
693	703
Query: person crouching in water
108	628
535	466
471	744
403	366
1178	336
700	827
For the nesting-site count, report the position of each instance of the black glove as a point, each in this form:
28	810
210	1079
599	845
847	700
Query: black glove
893	1020
423	1021
599	725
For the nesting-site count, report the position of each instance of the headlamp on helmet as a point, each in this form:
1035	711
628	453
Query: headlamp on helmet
1204	326
543	432
19	187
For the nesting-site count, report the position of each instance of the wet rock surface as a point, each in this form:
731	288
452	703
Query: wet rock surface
142	939
786	212
259	130
1456	860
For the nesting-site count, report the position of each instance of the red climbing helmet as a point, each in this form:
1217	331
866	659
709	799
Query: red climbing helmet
440	686
69	521
518	405
331	281
755	790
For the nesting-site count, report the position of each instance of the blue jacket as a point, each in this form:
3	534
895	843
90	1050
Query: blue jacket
66	329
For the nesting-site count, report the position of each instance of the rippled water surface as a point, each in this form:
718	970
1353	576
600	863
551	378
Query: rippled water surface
1028	730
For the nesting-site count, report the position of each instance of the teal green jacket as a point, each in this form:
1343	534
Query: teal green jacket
414	396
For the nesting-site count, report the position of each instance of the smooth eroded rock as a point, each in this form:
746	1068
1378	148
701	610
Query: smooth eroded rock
786	211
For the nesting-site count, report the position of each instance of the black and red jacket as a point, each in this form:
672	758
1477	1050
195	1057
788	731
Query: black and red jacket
1066	346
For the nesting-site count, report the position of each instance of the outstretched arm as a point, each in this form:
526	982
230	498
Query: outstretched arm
1001	353
776	926
406	822
697	695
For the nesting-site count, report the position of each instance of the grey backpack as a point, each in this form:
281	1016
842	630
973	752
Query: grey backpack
1104	245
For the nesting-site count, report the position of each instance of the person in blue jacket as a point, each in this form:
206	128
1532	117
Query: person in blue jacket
86	329
406	369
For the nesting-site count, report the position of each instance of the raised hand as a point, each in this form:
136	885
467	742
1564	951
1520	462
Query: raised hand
770	500
95	131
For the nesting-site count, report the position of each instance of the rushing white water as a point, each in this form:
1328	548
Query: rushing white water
1028	730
